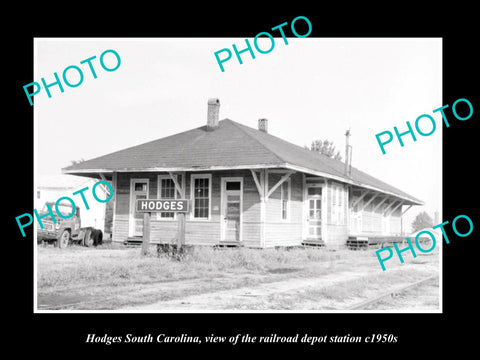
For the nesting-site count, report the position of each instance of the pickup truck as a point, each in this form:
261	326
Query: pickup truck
66	231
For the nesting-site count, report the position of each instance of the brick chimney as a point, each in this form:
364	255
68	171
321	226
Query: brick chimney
212	114
263	125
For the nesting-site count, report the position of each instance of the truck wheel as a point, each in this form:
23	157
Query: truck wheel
63	239
97	237
88	239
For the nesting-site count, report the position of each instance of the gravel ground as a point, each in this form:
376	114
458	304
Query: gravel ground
229	280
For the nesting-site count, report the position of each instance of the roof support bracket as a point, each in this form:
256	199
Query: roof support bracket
360	198
105	188
380	203
179	188
385	211
406	210
369	201
257	183
260	183
395	208
280	182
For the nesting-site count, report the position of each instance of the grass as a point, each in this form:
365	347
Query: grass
113	264
348	292
123	274
424	296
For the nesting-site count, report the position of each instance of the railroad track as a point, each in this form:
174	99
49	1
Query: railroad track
400	289
360	305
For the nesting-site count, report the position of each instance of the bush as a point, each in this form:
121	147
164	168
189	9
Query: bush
172	251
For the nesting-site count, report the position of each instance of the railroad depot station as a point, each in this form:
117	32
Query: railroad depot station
248	188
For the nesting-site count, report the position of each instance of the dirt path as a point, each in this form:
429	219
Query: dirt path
420	297
261	295
223	299
333	283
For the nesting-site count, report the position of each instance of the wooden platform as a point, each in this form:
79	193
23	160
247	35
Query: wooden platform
363	242
308	242
134	240
357	244
225	244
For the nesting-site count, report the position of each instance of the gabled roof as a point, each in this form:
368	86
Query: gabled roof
230	146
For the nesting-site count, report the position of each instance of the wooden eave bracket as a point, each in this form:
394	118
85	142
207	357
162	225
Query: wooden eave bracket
406	210
105	189
280	182
385	211
369	201
395	208
380	203
257	183
361	197
262	185
177	184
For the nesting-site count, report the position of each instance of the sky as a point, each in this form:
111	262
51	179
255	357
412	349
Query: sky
312	88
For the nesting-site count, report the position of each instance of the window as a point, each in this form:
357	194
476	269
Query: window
314	191
140	186
338	205
285	199
201	186
167	190
138	190
233	185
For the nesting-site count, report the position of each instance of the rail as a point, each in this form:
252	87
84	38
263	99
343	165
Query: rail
364	303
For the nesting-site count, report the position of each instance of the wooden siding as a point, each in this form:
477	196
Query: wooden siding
202	232
122	202
396	222
120	229
337	235
198	232
337	217
369	222
279	232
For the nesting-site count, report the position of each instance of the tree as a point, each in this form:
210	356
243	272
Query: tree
325	147
75	162
422	221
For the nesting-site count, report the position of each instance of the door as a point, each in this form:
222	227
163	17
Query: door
138	190
314	214
231	212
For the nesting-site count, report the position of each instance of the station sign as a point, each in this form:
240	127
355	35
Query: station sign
162	205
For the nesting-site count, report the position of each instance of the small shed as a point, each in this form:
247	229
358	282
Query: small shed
247	188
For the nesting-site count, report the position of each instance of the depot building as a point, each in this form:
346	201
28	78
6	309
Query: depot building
246	187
